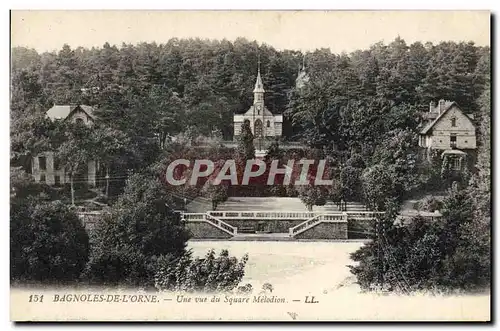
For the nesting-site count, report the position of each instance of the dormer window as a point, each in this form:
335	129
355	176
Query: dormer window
453	122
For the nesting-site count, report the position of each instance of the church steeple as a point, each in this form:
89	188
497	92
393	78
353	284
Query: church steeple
302	76
259	87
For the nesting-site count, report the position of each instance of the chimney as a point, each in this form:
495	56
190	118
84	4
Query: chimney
441	106
432	106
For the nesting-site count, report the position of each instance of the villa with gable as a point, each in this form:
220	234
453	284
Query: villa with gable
450	131
46	168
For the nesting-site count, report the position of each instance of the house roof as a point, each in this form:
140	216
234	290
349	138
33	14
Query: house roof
59	111
447	106
88	109
63	111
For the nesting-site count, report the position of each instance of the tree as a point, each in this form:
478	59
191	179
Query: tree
312	196
245	149
138	229
167	110
76	149
109	144
274	152
466	248
482	181
378	186
350	179
27	93
48	242
216	193
398	152
30	135
445	254
67	77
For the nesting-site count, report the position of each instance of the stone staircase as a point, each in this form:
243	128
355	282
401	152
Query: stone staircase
214	221
312	222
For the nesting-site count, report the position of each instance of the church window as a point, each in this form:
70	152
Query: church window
454	122
268	124
258	128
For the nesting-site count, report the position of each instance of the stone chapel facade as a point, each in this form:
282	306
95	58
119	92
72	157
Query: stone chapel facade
262	122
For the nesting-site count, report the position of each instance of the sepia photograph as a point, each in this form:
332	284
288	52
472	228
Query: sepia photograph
250	165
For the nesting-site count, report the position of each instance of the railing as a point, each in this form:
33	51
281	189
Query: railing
323	218
205	217
363	215
289	215
193	216
223	225
262	214
304	225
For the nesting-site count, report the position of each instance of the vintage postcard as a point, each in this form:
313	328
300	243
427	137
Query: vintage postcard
250	166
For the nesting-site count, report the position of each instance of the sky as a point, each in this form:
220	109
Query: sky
341	31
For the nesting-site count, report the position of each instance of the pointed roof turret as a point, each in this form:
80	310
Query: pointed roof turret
259	87
302	76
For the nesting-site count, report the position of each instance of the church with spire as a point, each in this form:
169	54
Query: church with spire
262	122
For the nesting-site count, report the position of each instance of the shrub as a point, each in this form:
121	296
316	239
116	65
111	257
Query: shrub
351	185
47	242
430	204
445	254
209	274
312	196
138	230
245	289
267	287
378	186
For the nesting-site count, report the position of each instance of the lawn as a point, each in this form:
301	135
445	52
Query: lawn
319	269
284	264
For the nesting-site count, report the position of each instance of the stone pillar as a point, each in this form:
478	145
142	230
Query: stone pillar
91	166
35	170
49	176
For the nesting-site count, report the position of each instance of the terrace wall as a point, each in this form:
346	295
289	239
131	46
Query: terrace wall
275	226
203	230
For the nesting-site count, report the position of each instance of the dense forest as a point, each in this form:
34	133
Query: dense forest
199	84
369	102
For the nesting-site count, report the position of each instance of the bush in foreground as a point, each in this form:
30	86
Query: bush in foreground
134	234
209	274
48	242
450	253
